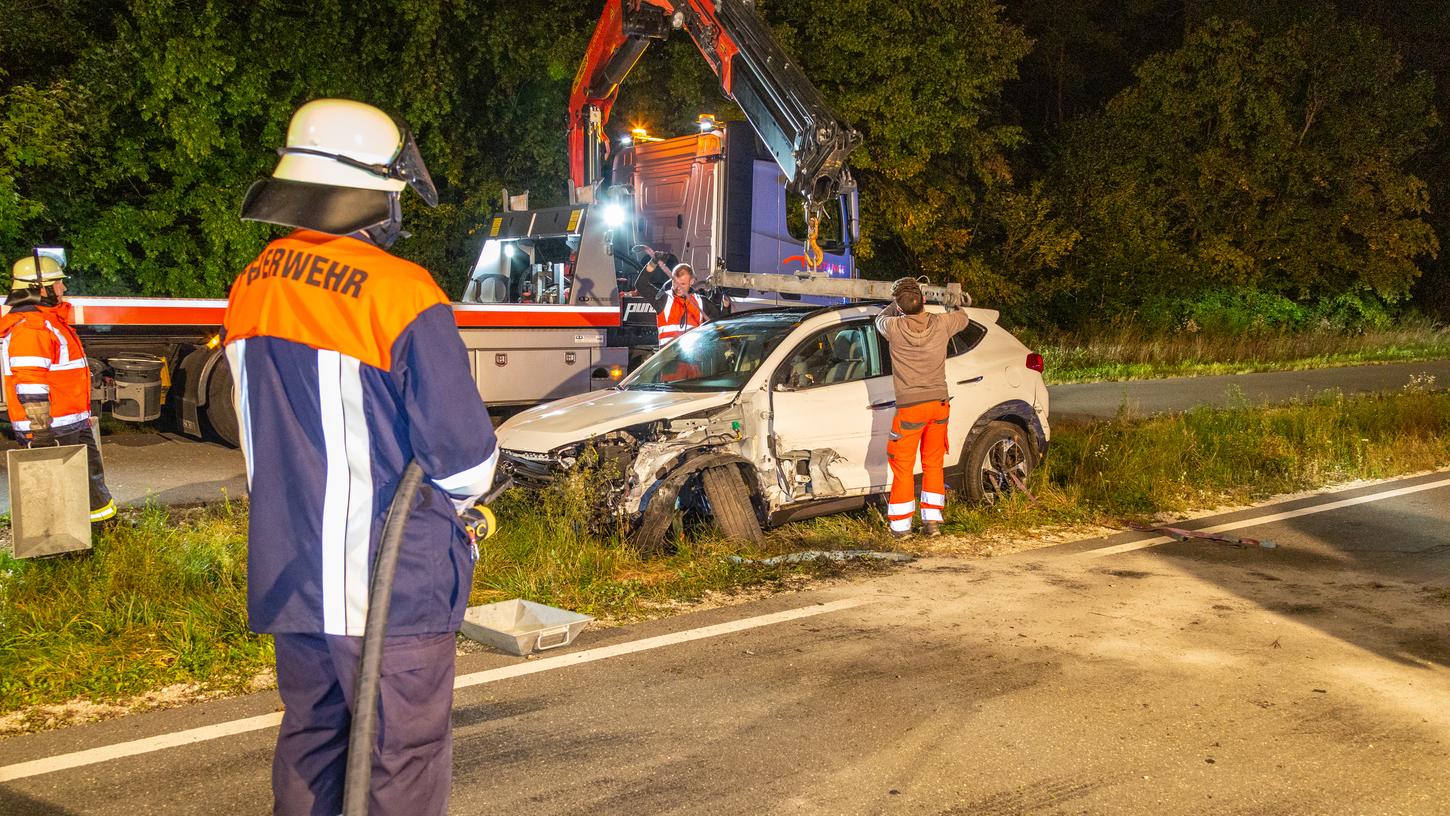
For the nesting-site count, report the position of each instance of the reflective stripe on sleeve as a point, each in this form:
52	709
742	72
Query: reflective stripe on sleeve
31	388
473	482
55	422
237	360
71	365
28	362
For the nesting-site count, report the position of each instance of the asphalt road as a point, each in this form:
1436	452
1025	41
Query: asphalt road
172	469
1101	677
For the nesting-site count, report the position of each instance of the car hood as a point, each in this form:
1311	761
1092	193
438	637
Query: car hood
583	416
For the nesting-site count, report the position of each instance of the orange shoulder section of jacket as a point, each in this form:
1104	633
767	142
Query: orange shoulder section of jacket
330	292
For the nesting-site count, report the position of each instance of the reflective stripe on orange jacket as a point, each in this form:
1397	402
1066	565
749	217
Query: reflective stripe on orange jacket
43	360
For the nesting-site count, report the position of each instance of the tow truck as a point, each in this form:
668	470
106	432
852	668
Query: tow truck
545	311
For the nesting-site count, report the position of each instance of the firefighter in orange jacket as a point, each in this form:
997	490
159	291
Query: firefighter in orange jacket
47	376
348	364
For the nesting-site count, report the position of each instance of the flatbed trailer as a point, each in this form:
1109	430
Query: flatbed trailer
160	357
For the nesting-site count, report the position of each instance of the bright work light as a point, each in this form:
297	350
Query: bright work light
614	216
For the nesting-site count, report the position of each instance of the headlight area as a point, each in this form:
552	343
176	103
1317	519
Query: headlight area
530	469
610	453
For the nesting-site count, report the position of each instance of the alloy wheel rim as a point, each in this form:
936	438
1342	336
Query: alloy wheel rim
1004	459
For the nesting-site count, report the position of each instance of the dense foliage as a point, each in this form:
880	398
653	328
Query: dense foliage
1251	162
1070	160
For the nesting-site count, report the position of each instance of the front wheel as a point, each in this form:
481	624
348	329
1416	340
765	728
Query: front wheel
997	464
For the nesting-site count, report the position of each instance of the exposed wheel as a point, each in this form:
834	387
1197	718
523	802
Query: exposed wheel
730	504
1000	459
685	498
221	413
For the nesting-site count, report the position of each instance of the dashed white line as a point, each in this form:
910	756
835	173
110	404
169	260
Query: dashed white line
120	750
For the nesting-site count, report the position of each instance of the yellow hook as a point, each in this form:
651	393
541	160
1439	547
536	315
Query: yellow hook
814	254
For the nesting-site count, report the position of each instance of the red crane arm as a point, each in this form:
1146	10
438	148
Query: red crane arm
613	50
788	113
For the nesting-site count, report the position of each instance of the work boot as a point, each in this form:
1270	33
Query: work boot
901	535
931	529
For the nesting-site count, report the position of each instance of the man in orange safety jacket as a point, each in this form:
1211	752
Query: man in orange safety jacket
678	309
918	340
47	376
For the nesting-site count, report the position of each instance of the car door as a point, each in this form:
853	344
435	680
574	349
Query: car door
829	440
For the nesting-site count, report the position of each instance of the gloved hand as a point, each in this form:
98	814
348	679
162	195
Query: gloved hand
38	414
479	522
955	300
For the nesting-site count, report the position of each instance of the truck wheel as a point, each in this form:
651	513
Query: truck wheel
221	414
998	460
731	505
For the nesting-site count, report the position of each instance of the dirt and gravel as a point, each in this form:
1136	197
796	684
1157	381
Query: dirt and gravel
1187	678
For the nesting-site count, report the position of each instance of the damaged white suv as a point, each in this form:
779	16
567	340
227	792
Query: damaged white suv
776	415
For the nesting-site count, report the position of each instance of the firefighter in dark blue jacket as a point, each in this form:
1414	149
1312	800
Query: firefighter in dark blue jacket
347	364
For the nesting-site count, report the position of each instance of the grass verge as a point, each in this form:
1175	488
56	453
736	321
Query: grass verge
1128	354
161	599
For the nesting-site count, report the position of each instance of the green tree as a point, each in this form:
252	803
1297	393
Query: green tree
1278	162
135	149
923	82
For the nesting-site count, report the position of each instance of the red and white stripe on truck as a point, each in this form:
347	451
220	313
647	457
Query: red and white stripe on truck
520	353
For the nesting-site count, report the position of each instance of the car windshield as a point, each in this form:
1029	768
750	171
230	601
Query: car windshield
718	356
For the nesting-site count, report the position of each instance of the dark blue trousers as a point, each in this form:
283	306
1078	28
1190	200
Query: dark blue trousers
413	760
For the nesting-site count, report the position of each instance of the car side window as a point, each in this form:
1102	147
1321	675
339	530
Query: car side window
966	339
840	354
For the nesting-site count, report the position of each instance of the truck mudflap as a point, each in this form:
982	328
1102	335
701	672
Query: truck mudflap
193	376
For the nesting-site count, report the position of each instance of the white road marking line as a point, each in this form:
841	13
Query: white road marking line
61	762
633	646
120	750
1269	518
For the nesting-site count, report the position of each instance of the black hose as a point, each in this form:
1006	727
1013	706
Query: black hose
358	782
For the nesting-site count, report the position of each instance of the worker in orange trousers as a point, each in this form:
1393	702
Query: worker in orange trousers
919	341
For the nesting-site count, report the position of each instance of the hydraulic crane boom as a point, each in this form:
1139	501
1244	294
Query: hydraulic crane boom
808	142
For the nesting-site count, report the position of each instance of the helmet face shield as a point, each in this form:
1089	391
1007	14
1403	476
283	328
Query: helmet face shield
321	207
409	167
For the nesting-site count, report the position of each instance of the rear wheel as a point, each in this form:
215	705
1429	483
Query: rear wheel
221	413
997	464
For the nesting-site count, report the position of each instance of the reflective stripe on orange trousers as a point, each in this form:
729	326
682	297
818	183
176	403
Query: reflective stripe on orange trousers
923	426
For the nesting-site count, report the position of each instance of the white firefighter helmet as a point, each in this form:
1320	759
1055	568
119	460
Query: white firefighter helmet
341	171
35	269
